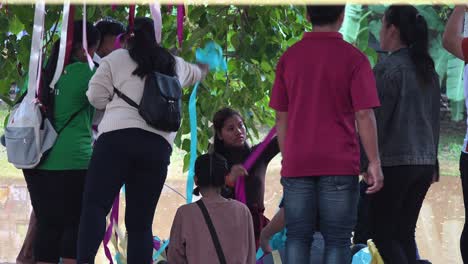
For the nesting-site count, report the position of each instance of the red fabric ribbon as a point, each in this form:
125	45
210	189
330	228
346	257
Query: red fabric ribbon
131	17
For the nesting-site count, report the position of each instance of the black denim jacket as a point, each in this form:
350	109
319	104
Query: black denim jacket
408	119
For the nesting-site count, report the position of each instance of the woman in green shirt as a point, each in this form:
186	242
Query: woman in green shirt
56	185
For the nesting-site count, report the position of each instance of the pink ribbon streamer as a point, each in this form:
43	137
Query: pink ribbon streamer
117	41
248	164
155	9
85	40
180	23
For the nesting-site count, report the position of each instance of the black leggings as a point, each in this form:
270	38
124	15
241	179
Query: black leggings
56	199
394	211
464	180
138	159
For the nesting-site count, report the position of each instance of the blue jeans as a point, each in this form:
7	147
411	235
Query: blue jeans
334	199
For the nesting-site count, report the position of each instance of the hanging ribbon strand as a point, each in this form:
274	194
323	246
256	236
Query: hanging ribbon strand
85	40
211	55
155	9
131	17
36	50
71	30
193	142
180	24
114	218
248	164
63	45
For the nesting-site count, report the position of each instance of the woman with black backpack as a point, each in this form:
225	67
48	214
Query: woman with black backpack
135	141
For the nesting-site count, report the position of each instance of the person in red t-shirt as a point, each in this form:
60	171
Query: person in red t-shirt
457	45
324	87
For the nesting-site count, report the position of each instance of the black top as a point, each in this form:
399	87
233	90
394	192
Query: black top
255	182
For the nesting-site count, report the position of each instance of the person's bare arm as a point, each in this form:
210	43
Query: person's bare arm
452	38
276	225
367	128
281	126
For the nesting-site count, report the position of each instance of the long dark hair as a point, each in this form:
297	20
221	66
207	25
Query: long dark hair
413	33
144	50
93	37
46	95
218	123
210	170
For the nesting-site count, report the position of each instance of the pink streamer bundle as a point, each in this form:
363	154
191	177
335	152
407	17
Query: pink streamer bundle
248	164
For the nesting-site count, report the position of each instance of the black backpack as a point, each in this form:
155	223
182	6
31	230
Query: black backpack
160	105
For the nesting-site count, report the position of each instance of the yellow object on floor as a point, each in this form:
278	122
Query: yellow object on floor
376	258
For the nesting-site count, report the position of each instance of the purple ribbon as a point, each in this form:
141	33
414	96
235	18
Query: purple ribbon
240	183
180	23
114	218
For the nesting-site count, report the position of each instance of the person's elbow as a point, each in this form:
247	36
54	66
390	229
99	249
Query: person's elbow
281	118
453	44
447	40
364	114
97	102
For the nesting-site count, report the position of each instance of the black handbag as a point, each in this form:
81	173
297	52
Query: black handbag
160	105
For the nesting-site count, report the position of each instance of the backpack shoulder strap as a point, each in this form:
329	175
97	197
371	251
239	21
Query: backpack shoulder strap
126	98
214	236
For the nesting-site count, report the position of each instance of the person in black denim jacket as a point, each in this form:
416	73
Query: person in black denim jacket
408	132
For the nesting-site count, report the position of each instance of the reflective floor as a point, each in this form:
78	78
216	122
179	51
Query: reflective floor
440	223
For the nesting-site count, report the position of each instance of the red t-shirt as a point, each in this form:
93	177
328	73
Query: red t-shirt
321	81
465	49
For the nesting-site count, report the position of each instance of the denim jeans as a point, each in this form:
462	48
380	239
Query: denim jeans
334	199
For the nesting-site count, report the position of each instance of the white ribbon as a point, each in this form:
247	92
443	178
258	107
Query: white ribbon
155	9
63	44
85	40
36	50
466	25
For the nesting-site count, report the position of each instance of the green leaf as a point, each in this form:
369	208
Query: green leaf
186	145
455	68
15	26
432	18
372	56
3	25
378	9
374	28
351	23
186	162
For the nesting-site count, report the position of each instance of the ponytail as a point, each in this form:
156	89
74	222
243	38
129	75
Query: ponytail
414	33
143	49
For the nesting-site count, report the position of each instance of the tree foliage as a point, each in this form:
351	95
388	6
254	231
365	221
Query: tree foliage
253	38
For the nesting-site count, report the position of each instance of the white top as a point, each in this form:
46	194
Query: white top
116	70
97	58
